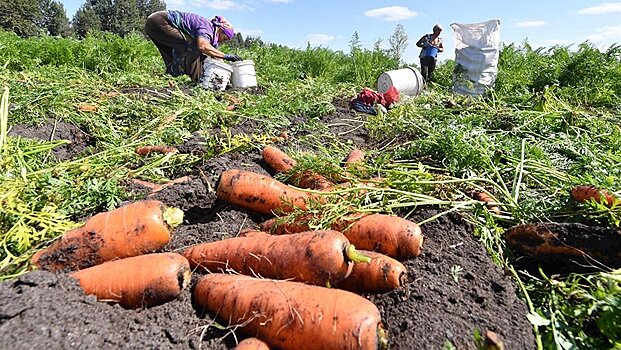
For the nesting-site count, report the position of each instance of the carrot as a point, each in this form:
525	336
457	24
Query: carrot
159	187
260	193
315	257
390	235
134	229
355	156
282	163
83	107
484	197
277	159
137	281
382	274
585	193
252	344
144	150
291	315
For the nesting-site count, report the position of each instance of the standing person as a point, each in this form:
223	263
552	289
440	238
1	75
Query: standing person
184	39
431	44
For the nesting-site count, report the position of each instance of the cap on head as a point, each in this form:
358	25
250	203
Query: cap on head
437	27
224	25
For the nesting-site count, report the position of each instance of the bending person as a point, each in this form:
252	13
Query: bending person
184	39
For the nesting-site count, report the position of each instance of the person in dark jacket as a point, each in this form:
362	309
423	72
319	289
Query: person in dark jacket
431	45
184	39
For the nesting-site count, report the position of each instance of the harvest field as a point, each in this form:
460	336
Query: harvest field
75	111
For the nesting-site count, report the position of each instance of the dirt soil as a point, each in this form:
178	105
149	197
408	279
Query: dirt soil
48	311
56	130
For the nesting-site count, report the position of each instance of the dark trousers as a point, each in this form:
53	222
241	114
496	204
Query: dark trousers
427	66
168	38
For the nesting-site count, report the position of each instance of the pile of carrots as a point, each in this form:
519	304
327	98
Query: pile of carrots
283	284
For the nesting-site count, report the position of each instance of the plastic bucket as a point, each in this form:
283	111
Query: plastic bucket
243	74
216	74
431	51
407	81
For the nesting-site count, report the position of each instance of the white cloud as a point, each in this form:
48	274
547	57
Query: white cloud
609	7
606	33
319	39
530	24
392	13
249	32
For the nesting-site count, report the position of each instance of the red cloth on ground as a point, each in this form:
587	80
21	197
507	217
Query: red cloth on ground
391	96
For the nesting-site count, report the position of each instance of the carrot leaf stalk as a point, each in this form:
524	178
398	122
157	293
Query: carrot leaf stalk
172	216
355	255
382	337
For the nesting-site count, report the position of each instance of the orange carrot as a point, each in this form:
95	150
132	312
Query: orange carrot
282	163
382	274
252	344
277	159
159	187
484	197
134	229
390	235
291	315
260	193
585	193
83	107
144	150
315	257
355	156
137	281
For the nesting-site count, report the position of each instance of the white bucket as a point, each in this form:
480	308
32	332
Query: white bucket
407	81
243	74
216	74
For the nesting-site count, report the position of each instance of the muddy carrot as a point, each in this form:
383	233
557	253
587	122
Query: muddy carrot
381	274
252	344
390	235
134	229
282	163
484	197
144	150
315	257
138	281
277	159
260	193
355	156
291	315
584	193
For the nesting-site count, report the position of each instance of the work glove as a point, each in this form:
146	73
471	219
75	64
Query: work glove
232	58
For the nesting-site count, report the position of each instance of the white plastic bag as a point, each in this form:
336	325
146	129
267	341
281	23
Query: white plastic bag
476	56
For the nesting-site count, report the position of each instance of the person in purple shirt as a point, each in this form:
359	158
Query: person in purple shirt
184	39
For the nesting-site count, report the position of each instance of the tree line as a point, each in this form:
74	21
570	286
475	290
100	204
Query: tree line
28	18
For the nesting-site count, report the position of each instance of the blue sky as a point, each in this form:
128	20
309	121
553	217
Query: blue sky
332	23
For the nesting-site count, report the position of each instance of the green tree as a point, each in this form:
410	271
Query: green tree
53	19
121	16
398	42
354	43
20	16
85	20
